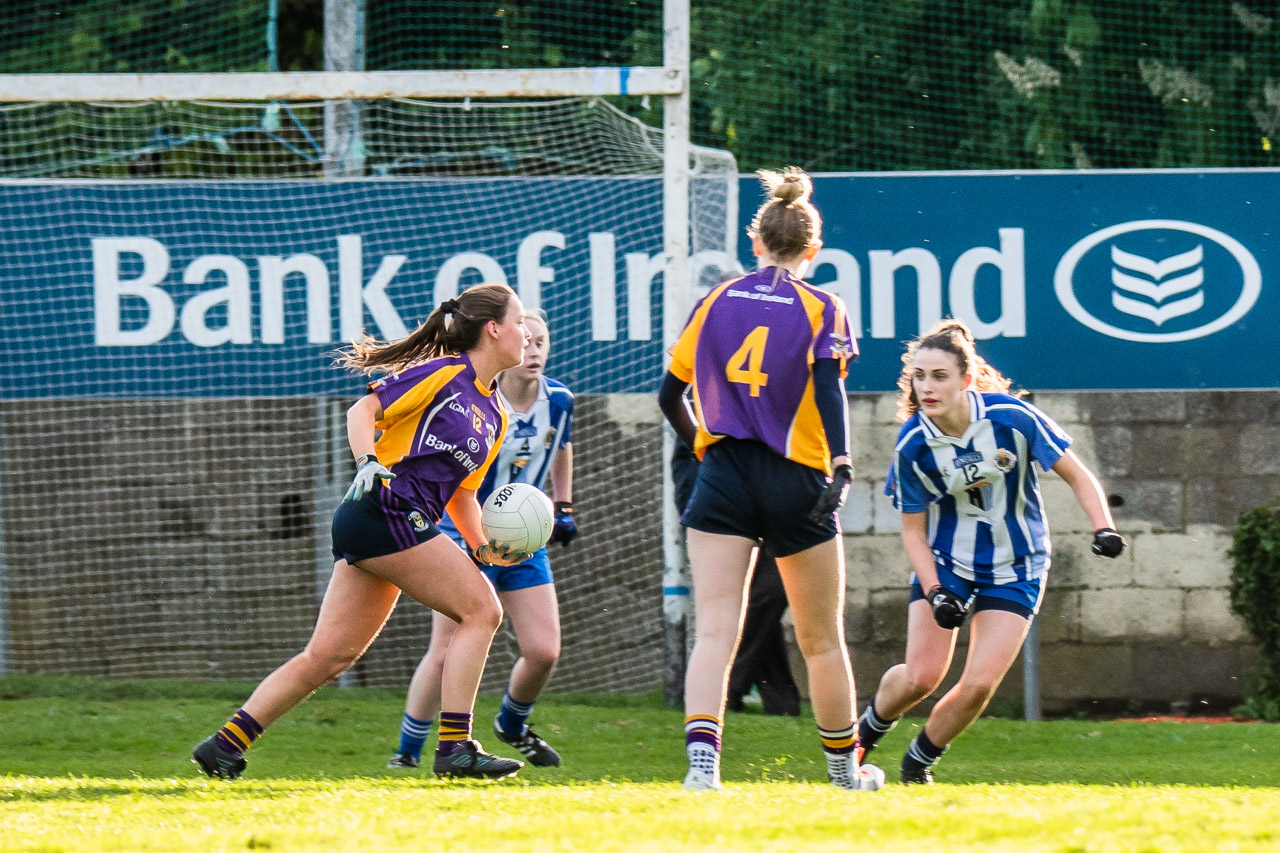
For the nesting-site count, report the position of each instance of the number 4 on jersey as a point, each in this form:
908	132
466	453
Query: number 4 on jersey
744	365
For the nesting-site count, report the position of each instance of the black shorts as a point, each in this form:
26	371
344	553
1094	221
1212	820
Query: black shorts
378	524
745	489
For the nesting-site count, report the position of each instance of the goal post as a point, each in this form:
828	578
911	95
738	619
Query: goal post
194	246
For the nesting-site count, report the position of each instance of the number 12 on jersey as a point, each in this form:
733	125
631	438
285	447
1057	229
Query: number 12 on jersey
744	365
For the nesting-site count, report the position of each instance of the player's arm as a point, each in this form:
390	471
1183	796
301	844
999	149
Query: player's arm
915	540
464	509
1088	491
833	412
562	474
674	409
948	608
566	526
362	421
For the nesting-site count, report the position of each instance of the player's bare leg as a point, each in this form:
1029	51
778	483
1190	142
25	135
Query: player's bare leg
815	583
995	636
438	574
423	701
905	685
424	688
720	566
355	607
535	618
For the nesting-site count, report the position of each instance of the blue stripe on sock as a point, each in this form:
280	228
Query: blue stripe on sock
413	734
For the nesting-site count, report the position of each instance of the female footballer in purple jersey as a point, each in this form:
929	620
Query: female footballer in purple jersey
441	425
975	533
537	447
766	356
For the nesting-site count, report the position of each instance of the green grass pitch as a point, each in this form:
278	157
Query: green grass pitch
100	765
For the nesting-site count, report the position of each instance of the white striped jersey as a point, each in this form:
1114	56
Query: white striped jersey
986	520
533	438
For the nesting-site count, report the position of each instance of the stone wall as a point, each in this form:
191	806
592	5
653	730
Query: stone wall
189	539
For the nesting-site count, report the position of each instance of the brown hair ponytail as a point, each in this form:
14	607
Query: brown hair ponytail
453	327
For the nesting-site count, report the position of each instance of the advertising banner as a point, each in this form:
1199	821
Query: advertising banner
1071	281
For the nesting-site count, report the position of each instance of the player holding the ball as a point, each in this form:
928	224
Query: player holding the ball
766	356
974	529
441	425
538	447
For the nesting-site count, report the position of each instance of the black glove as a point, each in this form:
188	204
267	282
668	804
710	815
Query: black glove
833	494
1107	543
949	609
565	528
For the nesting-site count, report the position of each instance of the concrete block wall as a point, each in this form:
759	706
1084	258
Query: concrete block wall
190	539
187	538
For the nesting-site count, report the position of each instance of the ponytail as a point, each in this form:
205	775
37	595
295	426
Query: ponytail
453	327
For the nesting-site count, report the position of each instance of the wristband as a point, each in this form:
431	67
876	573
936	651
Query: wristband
365	457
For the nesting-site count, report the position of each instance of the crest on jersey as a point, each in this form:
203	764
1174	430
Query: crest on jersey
416	519
840	346
525	429
1005	460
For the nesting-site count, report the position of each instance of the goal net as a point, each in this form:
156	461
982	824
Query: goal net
175	278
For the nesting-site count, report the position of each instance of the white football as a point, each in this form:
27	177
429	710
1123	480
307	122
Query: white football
519	516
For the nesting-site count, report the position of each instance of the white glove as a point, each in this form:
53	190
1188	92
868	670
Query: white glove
368	471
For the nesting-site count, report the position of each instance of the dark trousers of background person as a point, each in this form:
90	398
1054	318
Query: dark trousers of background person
762	660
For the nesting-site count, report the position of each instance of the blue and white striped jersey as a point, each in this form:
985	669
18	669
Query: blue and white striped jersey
986	520
533	438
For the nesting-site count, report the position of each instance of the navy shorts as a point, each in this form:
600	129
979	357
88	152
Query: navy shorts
745	489
378	524
534	571
1021	597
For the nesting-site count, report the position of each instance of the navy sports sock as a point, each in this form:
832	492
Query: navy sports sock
413	734
922	753
872	727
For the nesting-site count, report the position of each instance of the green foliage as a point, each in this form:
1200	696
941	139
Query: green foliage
1255	598
833	85
105	36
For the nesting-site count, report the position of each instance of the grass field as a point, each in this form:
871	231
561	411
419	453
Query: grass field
99	765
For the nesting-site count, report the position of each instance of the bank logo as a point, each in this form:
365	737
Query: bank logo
1158	281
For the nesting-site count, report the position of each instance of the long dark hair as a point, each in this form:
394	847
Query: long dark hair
453	327
954	337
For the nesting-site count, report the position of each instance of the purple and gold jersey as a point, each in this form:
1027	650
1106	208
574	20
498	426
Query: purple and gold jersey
748	351
440	430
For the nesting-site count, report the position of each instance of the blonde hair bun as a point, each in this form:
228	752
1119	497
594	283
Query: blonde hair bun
789	186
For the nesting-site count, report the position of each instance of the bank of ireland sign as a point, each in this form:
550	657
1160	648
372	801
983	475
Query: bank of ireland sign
1158	281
